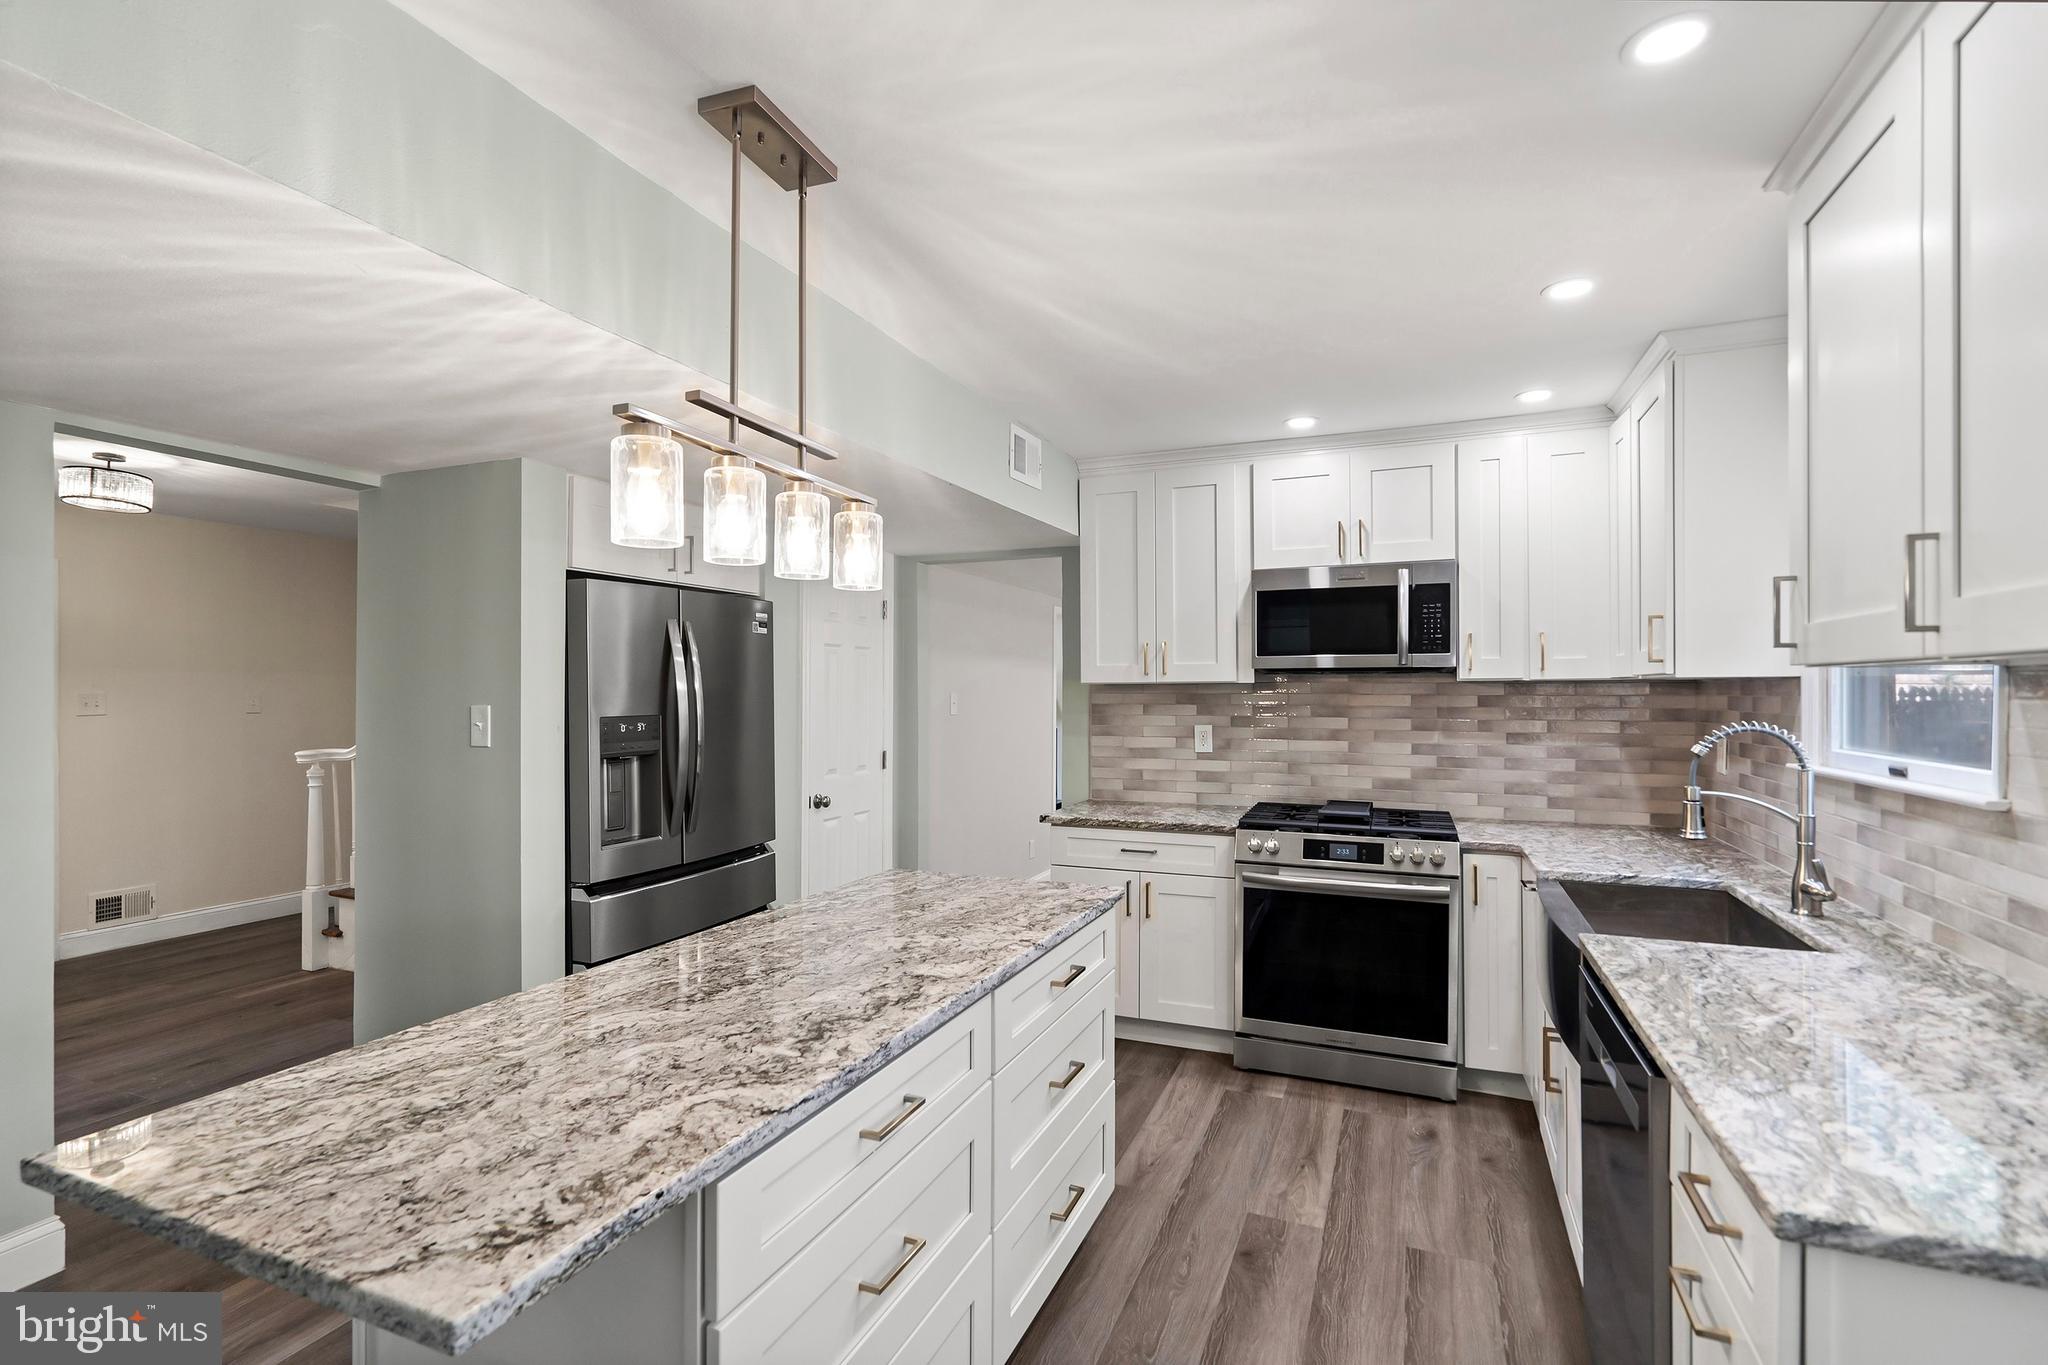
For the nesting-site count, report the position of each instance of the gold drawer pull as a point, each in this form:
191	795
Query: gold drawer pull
1073	975
911	1104
1145	659
1691	1183
1074	1070
1650	654
1148	900
916	1244
1074	1193
1550	1085
1680	1275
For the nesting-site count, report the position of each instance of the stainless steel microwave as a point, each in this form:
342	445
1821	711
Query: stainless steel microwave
1356	616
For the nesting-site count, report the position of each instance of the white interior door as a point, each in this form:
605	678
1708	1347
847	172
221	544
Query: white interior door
846	710
1571	559
1404	503
1493	560
1118	606
1301	511
1200	581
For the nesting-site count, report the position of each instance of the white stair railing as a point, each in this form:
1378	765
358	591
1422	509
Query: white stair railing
322	944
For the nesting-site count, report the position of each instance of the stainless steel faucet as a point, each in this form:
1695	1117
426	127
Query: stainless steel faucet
1810	887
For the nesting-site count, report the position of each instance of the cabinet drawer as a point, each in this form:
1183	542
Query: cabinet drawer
1030	1002
1698	1287
907	1239
1038	1238
959	1330
1199	855
1042	1096
1744	1251
766	1211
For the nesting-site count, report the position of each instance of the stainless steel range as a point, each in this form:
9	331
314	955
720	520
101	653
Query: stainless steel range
1348	945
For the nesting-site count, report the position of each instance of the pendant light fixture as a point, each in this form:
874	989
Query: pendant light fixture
103	488
810	542
647	488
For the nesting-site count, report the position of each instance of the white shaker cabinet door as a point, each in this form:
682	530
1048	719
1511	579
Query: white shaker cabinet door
1300	511
1404	503
1118	607
1650	516
1493	962
1493	558
1201	580
1184	972
1127	926
1856	384
1571	554
1987	325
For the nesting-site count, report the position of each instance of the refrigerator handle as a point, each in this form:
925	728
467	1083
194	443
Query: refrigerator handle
676	790
696	725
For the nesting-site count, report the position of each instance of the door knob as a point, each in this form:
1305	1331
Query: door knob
819	801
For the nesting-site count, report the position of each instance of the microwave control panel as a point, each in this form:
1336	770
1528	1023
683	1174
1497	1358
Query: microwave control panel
1429	618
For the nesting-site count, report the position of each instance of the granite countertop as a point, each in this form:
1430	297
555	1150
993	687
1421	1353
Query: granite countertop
1881	1096
437	1180
1154	819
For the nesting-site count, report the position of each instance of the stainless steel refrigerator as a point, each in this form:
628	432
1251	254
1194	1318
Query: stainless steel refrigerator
671	735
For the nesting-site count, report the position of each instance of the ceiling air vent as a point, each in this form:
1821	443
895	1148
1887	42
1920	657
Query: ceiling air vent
118	907
1027	457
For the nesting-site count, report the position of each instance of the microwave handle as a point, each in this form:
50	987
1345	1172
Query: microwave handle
1401	617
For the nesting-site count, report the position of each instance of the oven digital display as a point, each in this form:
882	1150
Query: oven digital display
1330	850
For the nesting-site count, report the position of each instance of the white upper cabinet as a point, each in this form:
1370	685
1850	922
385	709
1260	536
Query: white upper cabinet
1163	574
1118	605
1986	198
1650	524
591	547
1856	383
1404	503
1571	554
1493	557
1621	539
1300	510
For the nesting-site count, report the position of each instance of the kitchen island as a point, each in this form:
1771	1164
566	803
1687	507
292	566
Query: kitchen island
436	1182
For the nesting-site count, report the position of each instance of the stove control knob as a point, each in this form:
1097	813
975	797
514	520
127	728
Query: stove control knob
1436	857
1272	845
1395	853
1251	845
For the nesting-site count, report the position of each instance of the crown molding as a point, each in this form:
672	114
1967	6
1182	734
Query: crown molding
1719	336
1557	420
1886	37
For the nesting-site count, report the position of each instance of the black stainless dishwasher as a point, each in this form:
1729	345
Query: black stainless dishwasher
1625	1149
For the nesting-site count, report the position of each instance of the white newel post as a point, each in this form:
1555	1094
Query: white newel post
313	900
323	831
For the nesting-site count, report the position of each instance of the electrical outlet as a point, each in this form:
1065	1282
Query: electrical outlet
1205	739
92	703
1030	849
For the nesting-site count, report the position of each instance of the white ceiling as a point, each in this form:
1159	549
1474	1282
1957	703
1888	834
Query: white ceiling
146	281
208	491
1162	223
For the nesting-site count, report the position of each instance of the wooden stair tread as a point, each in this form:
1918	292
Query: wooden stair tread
342	893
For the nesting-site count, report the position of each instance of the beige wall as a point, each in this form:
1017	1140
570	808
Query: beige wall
181	623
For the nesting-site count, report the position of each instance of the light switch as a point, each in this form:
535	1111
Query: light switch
1205	739
479	727
92	703
953	703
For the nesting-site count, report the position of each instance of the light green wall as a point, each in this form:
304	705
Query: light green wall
460	861
28	802
359	106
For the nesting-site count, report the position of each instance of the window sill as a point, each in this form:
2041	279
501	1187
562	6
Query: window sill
1885	782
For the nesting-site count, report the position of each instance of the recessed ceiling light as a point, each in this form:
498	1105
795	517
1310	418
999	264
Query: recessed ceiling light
1576	287
1300	423
1533	396
1666	40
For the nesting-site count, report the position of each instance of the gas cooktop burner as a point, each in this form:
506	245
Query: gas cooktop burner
1351	817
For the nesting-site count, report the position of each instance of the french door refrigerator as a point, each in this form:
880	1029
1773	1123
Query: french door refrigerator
671	739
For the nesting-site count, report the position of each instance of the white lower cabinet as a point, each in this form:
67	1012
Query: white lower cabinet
1173	944
1038	1238
1493	962
960	1330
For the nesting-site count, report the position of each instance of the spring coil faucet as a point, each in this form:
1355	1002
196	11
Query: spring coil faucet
1810	886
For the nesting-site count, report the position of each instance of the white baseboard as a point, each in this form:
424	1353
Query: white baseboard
1173	1035
33	1253
80	942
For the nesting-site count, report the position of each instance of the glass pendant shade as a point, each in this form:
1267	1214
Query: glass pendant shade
103	488
647	491
857	549
803	533
735	513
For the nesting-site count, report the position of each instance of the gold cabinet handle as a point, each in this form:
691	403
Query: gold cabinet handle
911	1104
1475	885
1162	658
1543	651
1145	659
1361	538
1129	896
916	1244
1148	900
1650	638
1691	1182
1550	1085
1074	1193
1468	651
1680	1276
1074	1070
1073	975
1913	544
1778	640
1340	537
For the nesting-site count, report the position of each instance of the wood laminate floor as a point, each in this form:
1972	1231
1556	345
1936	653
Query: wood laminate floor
147	1027
1263	1220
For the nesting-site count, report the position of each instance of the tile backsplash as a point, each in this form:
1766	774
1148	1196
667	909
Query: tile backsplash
1599	753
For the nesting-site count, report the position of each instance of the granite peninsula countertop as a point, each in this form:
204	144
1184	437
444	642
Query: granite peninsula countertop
1881	1096
437	1180
1151	818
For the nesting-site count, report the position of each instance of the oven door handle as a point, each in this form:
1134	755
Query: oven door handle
1345	886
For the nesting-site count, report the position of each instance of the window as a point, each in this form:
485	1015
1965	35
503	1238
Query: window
1937	727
